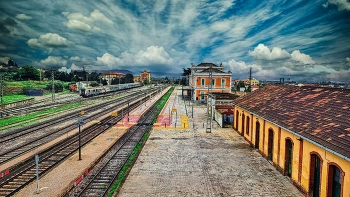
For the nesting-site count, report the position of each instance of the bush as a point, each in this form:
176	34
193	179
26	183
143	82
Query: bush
58	86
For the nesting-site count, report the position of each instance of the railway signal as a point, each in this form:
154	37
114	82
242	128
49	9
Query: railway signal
80	122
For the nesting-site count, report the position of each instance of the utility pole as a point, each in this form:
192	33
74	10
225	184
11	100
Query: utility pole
209	102
80	123
250	78
2	88
53	86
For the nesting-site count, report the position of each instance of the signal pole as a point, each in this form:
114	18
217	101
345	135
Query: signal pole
53	86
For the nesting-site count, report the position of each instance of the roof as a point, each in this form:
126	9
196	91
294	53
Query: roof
224	96
214	70
113	73
207	65
318	114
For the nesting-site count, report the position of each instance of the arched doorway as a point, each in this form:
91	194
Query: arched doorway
288	160
237	119
270	145
335	179
243	118
257	134
315	175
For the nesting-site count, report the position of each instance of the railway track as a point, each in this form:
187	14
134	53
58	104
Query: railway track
25	172
39	139
104	174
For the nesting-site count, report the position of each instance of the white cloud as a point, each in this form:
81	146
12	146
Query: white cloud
74	24
262	52
153	55
348	60
4	59
52	61
96	15
75	67
75	58
342	4
49	40
301	57
80	22
23	17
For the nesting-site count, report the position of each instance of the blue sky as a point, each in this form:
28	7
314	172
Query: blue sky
300	40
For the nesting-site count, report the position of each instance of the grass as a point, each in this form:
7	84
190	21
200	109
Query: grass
14	98
159	104
18	119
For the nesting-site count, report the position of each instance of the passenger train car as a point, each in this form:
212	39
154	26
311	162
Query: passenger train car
91	91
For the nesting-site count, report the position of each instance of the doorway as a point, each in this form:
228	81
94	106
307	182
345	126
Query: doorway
270	145
315	175
288	158
257	134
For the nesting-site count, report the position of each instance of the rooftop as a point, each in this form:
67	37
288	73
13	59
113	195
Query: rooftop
318	114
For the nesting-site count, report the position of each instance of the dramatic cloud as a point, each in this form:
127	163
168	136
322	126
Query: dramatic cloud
23	17
262	52
296	40
7	25
74	24
75	58
49	40
83	23
154	55
52	61
342	4
301	57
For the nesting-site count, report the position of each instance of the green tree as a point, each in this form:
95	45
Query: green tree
58	86
28	73
239	85
129	78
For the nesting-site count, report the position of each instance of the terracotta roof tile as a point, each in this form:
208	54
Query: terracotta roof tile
319	114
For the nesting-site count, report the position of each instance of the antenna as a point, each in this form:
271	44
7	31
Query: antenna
209	102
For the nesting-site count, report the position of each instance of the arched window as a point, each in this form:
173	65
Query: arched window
257	134
288	159
315	175
243	118
248	125
335	181
270	145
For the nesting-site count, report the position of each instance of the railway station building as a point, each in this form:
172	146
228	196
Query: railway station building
303	131
109	76
199	80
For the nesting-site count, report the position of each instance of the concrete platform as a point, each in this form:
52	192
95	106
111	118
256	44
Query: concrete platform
187	161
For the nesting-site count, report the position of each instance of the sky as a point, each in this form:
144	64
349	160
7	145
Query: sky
299	40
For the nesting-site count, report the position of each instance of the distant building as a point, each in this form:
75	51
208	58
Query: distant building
303	131
144	75
109	76
199	80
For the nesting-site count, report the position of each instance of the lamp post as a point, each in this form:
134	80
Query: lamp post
80	122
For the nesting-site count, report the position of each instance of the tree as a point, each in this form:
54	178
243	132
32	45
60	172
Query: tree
187	72
239	85
129	78
28	73
58	86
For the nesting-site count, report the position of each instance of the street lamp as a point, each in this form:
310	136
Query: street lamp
80	122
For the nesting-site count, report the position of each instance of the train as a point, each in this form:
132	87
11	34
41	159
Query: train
92	91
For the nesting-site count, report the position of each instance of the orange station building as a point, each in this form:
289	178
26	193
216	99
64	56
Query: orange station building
303	131
199	80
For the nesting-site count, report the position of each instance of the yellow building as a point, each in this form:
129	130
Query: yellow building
144	76
303	131
199	80
109	76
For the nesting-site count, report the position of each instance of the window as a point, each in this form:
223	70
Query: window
202	95
203	82
213	82
248	125
223	82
